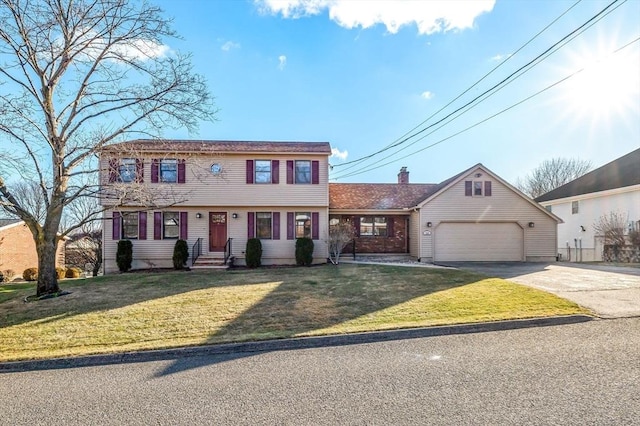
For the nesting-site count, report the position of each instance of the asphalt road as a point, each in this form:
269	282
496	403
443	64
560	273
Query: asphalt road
578	374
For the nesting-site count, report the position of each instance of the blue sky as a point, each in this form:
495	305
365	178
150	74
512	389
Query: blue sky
361	74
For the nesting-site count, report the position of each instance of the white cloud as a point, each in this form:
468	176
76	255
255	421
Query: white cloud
341	155
229	45
282	62
500	57
427	94
429	16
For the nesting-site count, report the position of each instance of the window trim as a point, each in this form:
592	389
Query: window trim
126	164
304	227
164	225
164	161
372	224
256	171
124	226
257	221
575	207
295	172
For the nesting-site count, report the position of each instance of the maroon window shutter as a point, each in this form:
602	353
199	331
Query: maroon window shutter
356	225
157	226
315	172
154	170
182	169
276	226
184	218
139	170
467	188
290	230
251	225
275	171
142	225
315	226
487	188
115	234
249	171
113	170
390	222
289	172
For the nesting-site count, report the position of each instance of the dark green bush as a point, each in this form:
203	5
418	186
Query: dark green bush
304	251
253	253
30	274
73	272
180	254
60	273
124	255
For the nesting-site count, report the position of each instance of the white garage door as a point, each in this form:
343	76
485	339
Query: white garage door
478	242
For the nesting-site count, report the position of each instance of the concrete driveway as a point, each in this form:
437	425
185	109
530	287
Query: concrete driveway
609	291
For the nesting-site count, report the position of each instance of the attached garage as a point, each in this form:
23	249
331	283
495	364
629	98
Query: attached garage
479	242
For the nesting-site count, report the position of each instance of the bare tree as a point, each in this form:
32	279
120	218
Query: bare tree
551	174
340	234
76	76
611	228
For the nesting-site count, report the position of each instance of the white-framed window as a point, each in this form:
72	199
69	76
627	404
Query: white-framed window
169	170
303	225
477	188
171	225
303	171
263	225
127	170
129	225
575	207
373	226
263	171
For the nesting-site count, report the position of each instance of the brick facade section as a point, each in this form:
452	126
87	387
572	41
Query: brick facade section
396	243
18	250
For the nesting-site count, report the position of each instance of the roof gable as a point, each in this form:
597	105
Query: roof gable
624	171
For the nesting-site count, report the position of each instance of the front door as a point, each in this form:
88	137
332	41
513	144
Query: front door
217	231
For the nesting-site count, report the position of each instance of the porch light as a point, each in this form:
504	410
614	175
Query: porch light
531	224
198	215
429	224
234	215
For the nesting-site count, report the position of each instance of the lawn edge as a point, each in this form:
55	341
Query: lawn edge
287	343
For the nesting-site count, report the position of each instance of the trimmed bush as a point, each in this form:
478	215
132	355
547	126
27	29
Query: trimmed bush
73	272
60	273
124	255
30	274
304	251
7	275
253	253
180	254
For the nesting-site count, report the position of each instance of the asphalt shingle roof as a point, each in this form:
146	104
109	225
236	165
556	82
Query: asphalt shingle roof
162	145
624	171
378	196
5	222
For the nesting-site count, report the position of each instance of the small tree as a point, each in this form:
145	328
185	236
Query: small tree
124	255
253	253
180	254
551	174
611	228
304	251
340	235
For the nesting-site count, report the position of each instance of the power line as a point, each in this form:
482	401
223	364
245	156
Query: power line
514	75
491	116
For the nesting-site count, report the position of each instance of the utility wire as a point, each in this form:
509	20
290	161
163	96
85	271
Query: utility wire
486	95
513	75
491	116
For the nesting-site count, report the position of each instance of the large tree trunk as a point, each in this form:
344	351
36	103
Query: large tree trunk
47	278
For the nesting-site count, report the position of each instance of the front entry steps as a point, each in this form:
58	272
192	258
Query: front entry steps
210	261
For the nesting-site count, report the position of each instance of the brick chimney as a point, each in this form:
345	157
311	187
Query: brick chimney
403	176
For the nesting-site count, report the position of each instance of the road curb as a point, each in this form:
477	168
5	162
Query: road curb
286	344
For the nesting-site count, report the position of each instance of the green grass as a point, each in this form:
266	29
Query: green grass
161	310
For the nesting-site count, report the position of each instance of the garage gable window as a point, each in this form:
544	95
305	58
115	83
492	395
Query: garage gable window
575	207
477	188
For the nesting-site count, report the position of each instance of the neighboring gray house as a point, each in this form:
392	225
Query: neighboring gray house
614	187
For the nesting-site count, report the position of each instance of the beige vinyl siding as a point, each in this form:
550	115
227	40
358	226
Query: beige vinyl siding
414	234
504	205
202	187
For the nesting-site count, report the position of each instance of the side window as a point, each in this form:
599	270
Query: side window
171	225
263	225
263	171
303	171
169	171
477	188
303	225
549	209
130	226
127	170
575	207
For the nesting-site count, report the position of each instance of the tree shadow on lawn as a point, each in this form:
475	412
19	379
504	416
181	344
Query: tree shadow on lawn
302	306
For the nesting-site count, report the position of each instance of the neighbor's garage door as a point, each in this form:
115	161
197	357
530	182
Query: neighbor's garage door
478	242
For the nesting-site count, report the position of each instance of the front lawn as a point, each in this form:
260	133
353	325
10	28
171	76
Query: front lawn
135	311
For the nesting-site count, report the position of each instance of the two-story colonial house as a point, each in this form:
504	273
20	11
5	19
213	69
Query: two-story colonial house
215	195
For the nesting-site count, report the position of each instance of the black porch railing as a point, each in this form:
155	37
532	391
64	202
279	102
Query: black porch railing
227	250
196	250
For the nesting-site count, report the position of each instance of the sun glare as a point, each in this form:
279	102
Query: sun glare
607	86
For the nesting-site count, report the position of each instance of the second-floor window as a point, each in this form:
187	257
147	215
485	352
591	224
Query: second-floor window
303	171
263	171
575	207
169	171
127	170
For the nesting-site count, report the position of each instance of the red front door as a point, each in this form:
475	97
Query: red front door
217	231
